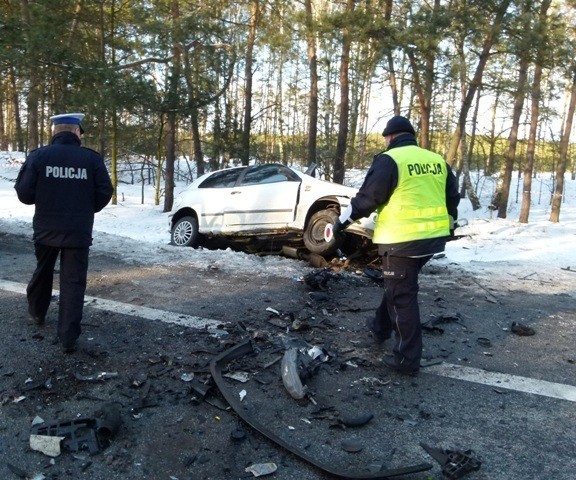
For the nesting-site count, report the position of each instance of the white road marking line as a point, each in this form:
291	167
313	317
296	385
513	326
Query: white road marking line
469	374
504	381
127	309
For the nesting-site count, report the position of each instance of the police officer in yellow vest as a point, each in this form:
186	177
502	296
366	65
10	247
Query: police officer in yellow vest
416	196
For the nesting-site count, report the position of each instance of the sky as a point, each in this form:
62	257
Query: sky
492	247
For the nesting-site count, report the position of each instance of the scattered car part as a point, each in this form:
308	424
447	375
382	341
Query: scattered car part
261	469
245	348
290	377
92	434
318	279
455	464
95	377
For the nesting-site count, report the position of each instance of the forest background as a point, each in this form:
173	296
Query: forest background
489	84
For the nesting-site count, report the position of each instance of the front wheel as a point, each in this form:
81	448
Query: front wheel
314	233
185	232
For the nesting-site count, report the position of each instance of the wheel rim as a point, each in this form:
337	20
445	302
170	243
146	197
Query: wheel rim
317	232
183	233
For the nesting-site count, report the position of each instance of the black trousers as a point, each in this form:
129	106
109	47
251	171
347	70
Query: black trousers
73	274
399	311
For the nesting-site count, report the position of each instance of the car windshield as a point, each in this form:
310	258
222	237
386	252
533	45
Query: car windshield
271	173
223	179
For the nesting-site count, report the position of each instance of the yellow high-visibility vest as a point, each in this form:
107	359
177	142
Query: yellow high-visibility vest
417	208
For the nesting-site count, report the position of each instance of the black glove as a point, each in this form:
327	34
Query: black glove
337	227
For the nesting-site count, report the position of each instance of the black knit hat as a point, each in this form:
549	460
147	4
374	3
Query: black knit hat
398	124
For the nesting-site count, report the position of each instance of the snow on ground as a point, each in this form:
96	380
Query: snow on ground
492	247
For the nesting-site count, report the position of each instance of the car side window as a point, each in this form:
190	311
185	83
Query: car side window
223	179
272	173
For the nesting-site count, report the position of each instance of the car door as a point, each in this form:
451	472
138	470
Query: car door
264	199
214	197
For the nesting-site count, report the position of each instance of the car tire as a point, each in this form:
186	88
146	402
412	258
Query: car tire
185	232
314	233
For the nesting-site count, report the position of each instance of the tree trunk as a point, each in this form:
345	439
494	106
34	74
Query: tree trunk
248	75
534	116
198	155
172	105
562	161
339	160
313	100
500	198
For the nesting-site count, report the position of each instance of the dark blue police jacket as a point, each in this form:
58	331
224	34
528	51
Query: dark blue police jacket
67	183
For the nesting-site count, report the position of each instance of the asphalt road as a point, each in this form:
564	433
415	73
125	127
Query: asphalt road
505	400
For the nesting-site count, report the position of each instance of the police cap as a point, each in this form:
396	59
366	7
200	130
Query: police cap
68	118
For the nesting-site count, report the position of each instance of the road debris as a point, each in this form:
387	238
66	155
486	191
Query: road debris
247	347
522	330
95	377
351	446
46	444
290	377
92	434
455	464
261	469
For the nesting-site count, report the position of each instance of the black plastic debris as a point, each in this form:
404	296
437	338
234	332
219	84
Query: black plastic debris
354	422
431	326
238	435
484	342
522	330
318	279
455	464
92	434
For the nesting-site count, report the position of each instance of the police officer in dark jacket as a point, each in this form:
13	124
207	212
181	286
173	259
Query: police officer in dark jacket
416	197
67	183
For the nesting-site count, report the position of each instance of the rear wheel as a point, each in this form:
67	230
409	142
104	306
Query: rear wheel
185	232
314	233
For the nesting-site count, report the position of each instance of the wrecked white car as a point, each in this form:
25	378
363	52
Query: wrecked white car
263	201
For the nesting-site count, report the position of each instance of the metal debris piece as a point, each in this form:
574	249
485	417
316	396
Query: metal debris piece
139	380
242	377
261	469
95	377
455	464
